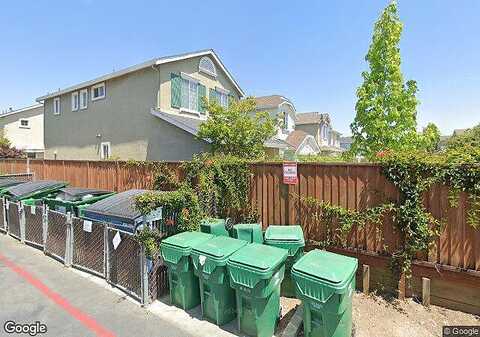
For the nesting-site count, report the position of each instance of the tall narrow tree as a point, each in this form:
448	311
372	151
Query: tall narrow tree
386	110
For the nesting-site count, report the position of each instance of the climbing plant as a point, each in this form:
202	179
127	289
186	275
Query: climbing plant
222	184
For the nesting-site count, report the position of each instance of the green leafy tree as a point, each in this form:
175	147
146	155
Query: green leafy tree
470	138
386	106
4	141
237	130
430	138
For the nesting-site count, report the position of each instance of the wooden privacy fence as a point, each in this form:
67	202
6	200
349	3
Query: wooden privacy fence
453	262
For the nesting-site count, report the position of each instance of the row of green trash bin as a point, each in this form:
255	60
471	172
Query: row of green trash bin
232	278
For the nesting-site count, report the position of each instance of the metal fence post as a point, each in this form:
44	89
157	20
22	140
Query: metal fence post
69	241
21	220
144	276
5	210
45	227
107	253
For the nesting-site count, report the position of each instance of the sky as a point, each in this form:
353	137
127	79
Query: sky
309	51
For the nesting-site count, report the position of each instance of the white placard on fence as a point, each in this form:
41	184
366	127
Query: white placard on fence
87	226
32	210
116	240
7	205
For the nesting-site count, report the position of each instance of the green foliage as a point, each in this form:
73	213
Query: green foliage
386	106
339	221
414	172
150	239
4	141
430	138
222	184
183	202
237	130
470	138
321	159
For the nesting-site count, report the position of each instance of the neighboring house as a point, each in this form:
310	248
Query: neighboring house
24	129
150	111
286	138
346	143
319	126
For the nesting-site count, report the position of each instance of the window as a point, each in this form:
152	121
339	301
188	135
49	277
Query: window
285	120
56	106
222	97
83	99
24	124
98	91
105	151
206	65
75	101
189	97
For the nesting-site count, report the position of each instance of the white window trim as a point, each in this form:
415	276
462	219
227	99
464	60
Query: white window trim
55	111
189	78
83	107
223	91
206	71
109	149
75	108
95	87
24	126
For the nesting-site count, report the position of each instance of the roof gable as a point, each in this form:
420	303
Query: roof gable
150	63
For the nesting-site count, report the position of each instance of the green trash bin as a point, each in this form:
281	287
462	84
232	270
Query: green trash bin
175	250
325	283
256	272
210	262
214	226
250	232
290	238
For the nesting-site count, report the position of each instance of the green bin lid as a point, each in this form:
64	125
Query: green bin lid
259	257
326	267
219	247
186	240
285	234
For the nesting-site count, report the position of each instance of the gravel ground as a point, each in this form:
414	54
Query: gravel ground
376	317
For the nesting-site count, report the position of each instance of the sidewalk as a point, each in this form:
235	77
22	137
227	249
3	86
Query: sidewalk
34	287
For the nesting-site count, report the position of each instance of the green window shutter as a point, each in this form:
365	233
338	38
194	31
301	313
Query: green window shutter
176	92
213	96
202	93
231	98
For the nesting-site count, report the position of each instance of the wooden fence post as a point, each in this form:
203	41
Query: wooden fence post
425	291
366	279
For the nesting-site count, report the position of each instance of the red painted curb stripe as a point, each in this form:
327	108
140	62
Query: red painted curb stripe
86	320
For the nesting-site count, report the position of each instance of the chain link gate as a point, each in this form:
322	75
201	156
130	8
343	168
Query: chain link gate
34	228
124	265
157	279
56	240
88	248
3	216
14	219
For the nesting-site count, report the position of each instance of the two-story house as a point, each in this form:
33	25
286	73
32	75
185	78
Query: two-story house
24	129
287	137
149	111
319	126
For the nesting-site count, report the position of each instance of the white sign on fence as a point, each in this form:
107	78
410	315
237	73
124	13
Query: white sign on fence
32	210
116	240
87	226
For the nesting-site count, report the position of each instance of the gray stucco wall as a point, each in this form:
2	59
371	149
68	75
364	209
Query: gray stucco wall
123	118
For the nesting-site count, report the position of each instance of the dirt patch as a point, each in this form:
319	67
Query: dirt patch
375	316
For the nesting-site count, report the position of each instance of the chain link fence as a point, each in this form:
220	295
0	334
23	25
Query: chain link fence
124	268
157	279
3	218
56	240
88	246
13	219
34	229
